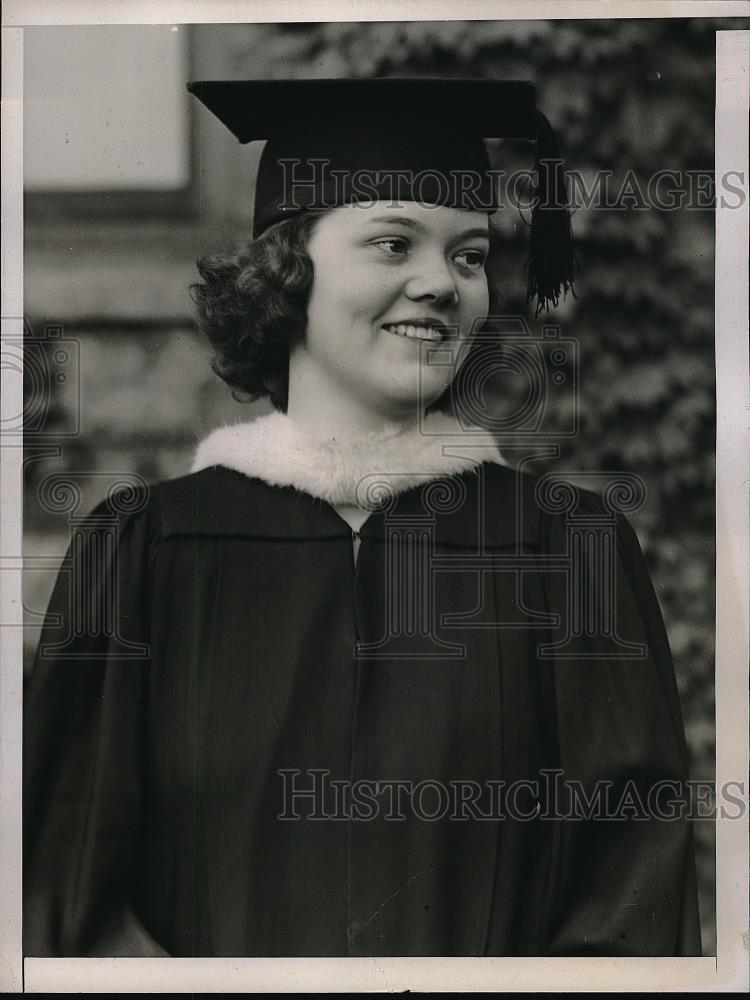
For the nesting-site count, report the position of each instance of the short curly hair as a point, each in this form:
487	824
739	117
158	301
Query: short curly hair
252	308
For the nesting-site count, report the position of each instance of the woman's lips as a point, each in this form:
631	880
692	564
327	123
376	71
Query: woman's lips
416	331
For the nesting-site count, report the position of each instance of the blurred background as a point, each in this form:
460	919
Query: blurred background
129	181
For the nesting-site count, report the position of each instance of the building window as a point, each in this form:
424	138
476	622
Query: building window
106	117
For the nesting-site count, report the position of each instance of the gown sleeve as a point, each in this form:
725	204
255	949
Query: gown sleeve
625	885
84	729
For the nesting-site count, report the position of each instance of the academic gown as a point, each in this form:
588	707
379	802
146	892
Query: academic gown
211	651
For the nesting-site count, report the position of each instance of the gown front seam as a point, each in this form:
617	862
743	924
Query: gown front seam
353	730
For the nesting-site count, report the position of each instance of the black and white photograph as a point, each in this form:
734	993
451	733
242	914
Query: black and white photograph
380	536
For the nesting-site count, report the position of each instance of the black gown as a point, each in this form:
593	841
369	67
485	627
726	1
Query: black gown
212	652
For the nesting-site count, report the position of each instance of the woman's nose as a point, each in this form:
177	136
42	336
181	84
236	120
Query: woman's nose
433	281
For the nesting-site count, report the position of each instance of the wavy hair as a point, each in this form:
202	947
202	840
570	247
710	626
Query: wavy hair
252	308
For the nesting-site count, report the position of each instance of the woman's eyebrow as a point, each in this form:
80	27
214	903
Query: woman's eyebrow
470	233
395	220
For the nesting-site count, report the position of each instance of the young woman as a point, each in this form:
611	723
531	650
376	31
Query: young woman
354	686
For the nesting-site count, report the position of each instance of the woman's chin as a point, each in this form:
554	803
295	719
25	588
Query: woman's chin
414	398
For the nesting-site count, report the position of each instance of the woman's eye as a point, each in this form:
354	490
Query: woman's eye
394	246
474	260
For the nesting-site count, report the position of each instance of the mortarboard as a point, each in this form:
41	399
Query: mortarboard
333	142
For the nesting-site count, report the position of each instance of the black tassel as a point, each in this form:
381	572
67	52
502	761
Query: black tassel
551	259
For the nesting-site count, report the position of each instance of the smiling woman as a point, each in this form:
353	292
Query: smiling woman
308	699
386	287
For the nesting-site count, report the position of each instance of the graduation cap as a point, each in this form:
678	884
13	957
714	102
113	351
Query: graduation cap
334	142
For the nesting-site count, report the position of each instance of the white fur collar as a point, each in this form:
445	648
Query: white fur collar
352	471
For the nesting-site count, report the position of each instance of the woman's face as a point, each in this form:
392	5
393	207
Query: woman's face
392	284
